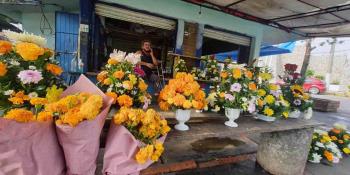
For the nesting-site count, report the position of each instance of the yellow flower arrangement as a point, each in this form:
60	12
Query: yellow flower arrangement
3	69
54	69
341	137
5	47
29	51
74	109
146	126
182	92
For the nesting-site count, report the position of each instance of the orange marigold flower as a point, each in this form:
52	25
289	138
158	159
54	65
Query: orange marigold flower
20	115
260	102
336	131
252	86
224	74
128	85
107	81
125	100
44	116
164	106
19	98
112	61
54	69
236	73
5	47
3	69
102	76
199	95
221	94
50	51
249	74
38	101
118	74
346	137
179	100
142	86
112	95
29	51
328	155
341	141
187	104
334	138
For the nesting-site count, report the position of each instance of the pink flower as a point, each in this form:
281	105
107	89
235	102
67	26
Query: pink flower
236	87
30	76
138	71
251	107
146	104
229	97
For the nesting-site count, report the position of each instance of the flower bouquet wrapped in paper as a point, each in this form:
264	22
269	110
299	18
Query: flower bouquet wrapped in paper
81	113
135	140
28	81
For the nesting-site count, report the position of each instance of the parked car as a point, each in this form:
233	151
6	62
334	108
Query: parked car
314	86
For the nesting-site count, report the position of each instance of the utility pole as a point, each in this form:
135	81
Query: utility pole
330	62
307	56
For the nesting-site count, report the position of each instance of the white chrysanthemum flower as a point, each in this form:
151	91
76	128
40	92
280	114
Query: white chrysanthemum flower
133	58
118	55
8	92
321	132
25	37
32	67
340	126
14	63
316	158
319	144
33	95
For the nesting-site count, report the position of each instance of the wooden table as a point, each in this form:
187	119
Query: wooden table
283	147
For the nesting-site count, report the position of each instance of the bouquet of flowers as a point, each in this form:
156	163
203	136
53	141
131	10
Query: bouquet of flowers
211	70
29	80
182	92
180	66
341	137
121	80
81	114
322	148
135	140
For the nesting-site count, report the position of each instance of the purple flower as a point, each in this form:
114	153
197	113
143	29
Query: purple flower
30	76
236	87
275	93
138	71
229	97
251	107
297	102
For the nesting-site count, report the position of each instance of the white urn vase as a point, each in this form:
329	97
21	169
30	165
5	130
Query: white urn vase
232	115
182	116
308	113
295	114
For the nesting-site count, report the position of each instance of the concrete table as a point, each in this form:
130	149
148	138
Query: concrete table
283	147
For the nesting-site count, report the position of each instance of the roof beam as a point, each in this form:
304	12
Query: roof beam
235	3
307	3
321	25
313	13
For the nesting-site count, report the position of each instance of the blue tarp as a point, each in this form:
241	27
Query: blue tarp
264	51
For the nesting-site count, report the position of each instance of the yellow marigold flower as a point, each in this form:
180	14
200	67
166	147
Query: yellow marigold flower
179	100
5	47
273	87
118	74
54	69
199	95
326	138
306	96
19	98
125	100
53	93
29	51
236	73
187	104
112	95
102	76
222	95
346	150
44	116
224	74
132	78
269	99
252	86
334	138
346	137
261	92
107	81
112	61
249	74
20	115
128	85
265	76
164	106
268	111
38	101
91	108
285	114
328	155
142	86
3	69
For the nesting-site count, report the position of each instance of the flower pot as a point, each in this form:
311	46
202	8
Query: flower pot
232	114
265	118
308	113
182	116
295	114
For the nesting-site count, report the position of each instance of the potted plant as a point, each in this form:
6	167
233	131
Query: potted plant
182	93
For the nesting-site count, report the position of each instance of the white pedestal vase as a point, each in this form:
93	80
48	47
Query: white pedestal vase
295	114
232	115
182	116
308	113
265	118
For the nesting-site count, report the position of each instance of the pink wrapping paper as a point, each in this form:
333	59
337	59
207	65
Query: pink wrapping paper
121	148
81	143
29	148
